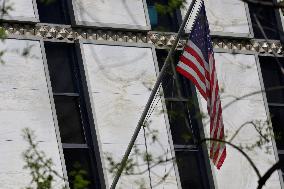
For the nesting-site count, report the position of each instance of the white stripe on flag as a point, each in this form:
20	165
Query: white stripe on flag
193	73
198	51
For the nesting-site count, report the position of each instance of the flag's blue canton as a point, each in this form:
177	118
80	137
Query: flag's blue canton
200	34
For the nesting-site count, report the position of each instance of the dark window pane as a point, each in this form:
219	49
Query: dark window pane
267	19
79	160
69	119
163	22
53	11
60	61
281	158
190	171
272	77
277	119
179	122
169	83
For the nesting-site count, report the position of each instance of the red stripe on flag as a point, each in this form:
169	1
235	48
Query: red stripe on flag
222	158
194	67
198	58
217	129
190	77
216	153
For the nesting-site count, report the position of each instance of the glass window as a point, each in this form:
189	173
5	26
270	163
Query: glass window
272	78
73	117
69	119
184	128
61	67
281	158
189	166
168	22
277	119
78	163
54	12
180	129
169	83
266	16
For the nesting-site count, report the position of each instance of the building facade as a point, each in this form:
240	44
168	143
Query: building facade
79	73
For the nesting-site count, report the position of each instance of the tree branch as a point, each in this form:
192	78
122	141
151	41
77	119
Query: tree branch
238	149
269	172
251	94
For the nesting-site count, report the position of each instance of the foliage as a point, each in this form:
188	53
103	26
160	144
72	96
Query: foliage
40	167
170	7
79	177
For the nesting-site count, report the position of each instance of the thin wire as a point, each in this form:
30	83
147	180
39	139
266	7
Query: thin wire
147	158
151	110
154	104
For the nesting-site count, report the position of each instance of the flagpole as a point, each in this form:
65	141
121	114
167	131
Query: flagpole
152	96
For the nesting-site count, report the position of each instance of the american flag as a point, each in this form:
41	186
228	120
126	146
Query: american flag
198	65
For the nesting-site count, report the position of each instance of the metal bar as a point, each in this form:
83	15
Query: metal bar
180	147
71	145
152	95
66	94
276	104
175	99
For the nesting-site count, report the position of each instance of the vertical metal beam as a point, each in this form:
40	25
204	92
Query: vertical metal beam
152	96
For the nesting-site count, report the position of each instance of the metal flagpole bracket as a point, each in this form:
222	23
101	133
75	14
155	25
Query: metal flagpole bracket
152	96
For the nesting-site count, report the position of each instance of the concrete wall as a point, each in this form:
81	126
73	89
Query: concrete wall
228	17
25	103
119	81
130	13
238	75
21	10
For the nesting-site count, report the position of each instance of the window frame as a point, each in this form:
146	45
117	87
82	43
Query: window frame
62	146
56	125
76	22
197	132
